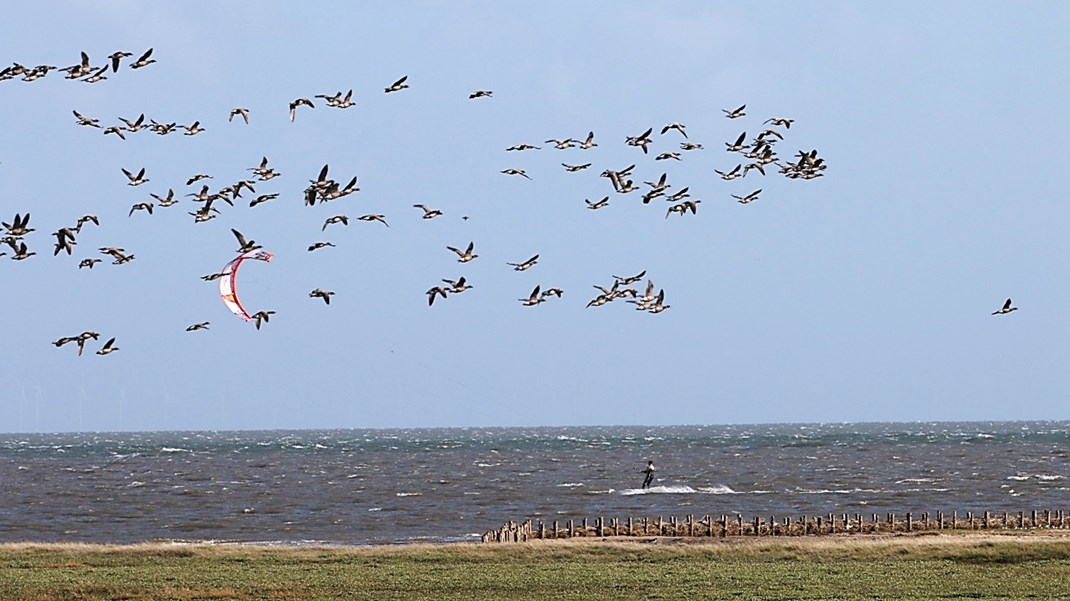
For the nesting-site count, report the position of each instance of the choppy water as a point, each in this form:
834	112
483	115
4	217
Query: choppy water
388	486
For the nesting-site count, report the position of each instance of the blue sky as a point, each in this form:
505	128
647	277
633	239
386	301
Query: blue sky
863	295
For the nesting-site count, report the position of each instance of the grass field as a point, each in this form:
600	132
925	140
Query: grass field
886	567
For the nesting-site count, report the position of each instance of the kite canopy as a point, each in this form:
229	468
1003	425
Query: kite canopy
228	290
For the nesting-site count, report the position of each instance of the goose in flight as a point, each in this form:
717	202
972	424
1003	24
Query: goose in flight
116	57
465	255
88	263
398	85
239	111
677	126
730	175
117	130
738	145
87	121
136	180
18	226
624	281
457	286
143	61
594	206
198	326
480	94
244	245
777	121
735	113
108	348
298	102
575	168
588	143
433	292
344	220
641	141
429	213
319	245
320	293
753	196
374	217
532	299
1006	308
141	206
512	171
525	265
135	125
262	316
522	147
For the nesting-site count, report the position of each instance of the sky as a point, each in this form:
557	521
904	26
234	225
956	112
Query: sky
863	295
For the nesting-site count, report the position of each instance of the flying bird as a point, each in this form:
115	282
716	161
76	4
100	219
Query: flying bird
465	255
512	171
262	316
109	347
735	113
374	217
597	205
298	102
433	292
1006	308
398	85
525	265
239	111
143	61
245	245
198	326
429	213
136	180
320	293
533	299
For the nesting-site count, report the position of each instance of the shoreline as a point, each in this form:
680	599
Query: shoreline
921	538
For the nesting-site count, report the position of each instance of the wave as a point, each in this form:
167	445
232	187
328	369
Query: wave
655	490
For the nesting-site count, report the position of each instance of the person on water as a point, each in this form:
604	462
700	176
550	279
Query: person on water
649	471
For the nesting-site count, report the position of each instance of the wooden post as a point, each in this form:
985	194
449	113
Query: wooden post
661	526
709	525
630	531
757	526
555	529
1047	518
646	526
818	524
1033	519
739	523
984	521
969	516
773	530
691	524
939	520
806	526
1021	519
954	519
910	522
724	525
542	530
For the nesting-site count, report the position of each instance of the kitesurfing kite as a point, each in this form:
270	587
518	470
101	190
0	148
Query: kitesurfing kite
228	290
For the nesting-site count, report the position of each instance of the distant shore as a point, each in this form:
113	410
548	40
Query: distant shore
849	566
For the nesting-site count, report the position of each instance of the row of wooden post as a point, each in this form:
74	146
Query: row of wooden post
726	526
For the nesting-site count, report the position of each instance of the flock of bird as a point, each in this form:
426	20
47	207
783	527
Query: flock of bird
755	154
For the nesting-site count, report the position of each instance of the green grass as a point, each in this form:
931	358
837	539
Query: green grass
917	567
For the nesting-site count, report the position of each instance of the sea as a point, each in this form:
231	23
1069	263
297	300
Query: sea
367	487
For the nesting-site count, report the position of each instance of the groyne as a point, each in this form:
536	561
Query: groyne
728	525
